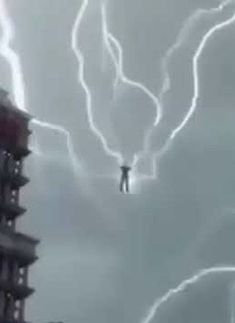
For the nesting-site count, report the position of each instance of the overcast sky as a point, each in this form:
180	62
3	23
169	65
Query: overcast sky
105	257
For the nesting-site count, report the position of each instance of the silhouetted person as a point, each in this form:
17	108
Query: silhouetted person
124	182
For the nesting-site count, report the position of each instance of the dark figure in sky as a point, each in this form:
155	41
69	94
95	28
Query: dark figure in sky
124	182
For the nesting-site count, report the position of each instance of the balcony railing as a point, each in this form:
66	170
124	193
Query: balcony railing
11	170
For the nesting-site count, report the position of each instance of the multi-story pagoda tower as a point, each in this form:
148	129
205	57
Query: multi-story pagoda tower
17	251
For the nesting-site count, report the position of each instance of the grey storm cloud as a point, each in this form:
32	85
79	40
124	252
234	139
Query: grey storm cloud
105	257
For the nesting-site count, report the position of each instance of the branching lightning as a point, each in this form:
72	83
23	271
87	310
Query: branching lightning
196	59
18	84
110	41
152	312
11	57
115	51
72	154
183	34
82	82
18	88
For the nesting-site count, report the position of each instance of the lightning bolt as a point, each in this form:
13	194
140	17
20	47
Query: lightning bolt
195	67
18	84
183	34
76	164
111	41
196	59
11	57
84	85
153	310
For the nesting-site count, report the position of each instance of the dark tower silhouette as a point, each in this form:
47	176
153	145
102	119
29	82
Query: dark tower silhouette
17	251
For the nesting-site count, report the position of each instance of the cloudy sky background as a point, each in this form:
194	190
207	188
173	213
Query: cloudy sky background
105	257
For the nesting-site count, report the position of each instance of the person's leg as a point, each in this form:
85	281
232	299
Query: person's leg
121	184
127	185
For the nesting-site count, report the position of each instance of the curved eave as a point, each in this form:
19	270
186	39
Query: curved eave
18	291
16	180
23	258
18	151
21	151
19	181
12	210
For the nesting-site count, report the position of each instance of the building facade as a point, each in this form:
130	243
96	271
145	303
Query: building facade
17	251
